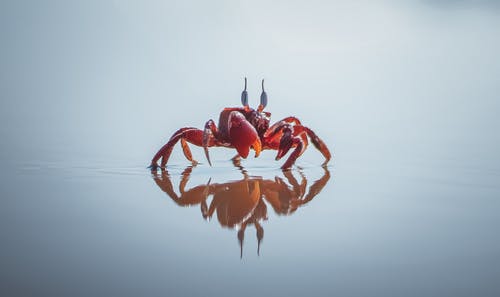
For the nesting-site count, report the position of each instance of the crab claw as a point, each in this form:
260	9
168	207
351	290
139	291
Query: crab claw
286	143
257	147
243	135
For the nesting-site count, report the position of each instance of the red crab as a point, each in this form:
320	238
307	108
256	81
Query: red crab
243	128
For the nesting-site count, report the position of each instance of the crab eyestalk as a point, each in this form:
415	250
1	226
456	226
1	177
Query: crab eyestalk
263	99
244	95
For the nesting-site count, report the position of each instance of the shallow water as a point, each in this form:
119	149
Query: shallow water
84	230
405	95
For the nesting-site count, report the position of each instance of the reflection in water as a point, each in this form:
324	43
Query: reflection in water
242	203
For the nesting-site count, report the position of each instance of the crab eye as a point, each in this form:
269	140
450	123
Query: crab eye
244	95
263	97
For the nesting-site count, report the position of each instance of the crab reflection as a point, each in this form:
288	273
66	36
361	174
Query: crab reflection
244	202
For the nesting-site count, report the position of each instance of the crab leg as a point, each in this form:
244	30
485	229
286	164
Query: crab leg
277	132
288	141
274	133
319	144
209	133
279	125
187	151
188	134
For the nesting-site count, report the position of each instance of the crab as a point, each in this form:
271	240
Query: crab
245	128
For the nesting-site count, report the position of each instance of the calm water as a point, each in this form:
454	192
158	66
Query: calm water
348	229
404	94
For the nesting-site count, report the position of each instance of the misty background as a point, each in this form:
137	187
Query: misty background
113	79
404	93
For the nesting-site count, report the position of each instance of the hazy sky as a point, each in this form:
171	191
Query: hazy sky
104	79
